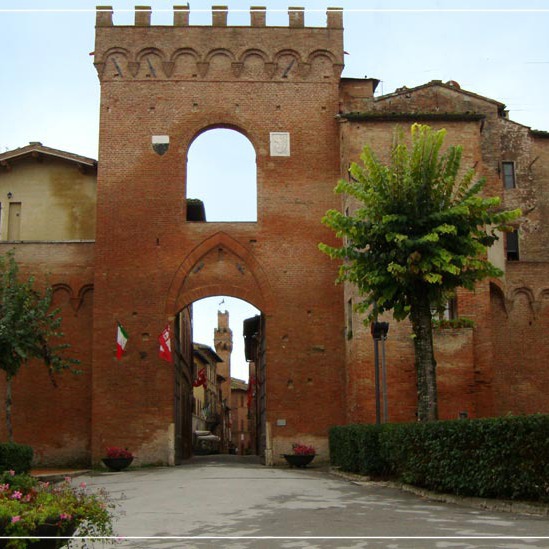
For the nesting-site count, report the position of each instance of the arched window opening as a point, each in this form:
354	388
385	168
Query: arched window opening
221	177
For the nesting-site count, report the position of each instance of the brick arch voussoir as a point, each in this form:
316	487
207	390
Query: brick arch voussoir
514	292
116	51
253	52
497	289
185	51
186	298
84	291
293	53
213	121
543	294
141	54
62	287
73	299
263	301
523	290
321	53
219	51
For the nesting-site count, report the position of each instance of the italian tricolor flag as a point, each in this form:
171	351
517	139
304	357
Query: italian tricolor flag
121	340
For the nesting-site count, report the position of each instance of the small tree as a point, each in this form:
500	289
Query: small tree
418	234
27	329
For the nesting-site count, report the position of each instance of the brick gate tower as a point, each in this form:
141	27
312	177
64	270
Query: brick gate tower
161	87
223	343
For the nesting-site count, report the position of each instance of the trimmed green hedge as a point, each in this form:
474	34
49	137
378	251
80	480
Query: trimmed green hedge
496	457
355	448
15	457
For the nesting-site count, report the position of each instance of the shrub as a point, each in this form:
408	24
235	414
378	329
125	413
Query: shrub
15	457
344	447
32	508
494	457
355	448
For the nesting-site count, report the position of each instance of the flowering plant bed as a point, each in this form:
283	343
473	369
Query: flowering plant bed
35	510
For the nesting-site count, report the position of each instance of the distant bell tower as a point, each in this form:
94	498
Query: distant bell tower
223	343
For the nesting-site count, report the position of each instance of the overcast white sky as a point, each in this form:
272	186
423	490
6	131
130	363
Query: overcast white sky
49	89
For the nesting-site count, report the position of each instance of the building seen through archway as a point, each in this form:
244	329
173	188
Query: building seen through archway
226	416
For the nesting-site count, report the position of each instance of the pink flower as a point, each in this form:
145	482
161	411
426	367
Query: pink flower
83	485
68	479
4	487
16	495
27	498
11	472
65	516
16	518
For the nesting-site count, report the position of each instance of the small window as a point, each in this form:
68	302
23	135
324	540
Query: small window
512	246
448	312
508	169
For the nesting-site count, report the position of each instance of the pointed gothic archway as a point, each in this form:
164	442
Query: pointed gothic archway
220	265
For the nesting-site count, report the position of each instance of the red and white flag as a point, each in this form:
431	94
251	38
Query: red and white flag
165	351
201	379
121	341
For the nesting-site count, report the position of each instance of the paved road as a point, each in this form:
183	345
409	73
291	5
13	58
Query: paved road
232	496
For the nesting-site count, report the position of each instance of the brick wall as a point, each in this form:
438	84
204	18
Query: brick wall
56	421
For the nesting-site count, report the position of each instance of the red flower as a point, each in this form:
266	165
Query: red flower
303	450
115	452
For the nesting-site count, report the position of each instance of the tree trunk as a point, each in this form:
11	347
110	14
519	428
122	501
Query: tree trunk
420	315
9	425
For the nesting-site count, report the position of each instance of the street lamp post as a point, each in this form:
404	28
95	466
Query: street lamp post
379	332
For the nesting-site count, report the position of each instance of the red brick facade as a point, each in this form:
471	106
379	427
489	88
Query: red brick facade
149	263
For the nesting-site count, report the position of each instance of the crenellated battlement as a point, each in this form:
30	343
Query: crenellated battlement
219	52
258	16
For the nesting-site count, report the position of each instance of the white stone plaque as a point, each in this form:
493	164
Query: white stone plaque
280	143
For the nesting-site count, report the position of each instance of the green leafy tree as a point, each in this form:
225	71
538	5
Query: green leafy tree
28	328
420	231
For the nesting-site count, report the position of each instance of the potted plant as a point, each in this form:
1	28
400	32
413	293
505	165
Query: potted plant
117	458
42	515
302	455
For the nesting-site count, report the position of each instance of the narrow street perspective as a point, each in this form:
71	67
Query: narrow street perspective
227	496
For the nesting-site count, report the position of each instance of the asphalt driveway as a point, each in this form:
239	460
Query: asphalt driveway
223	498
